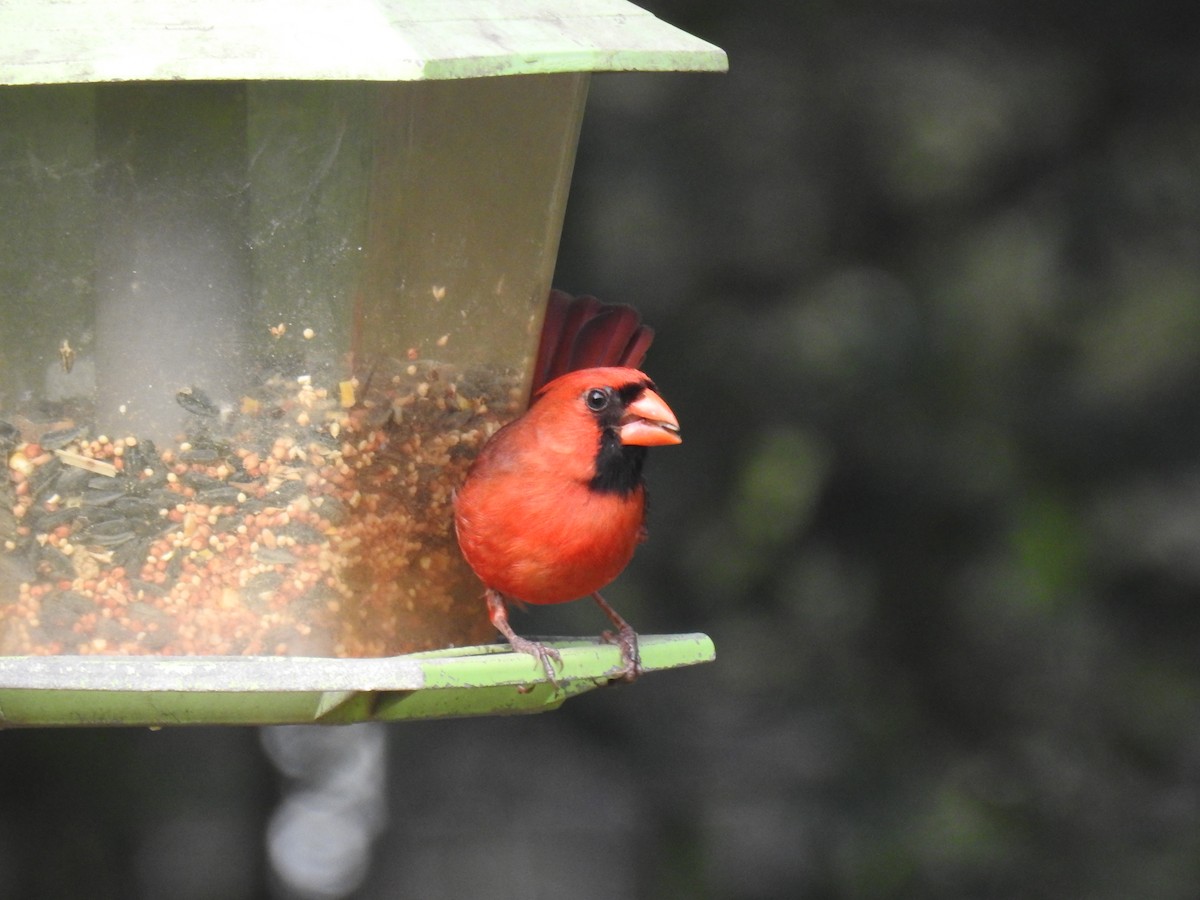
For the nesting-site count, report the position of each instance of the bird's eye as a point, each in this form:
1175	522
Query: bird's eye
596	399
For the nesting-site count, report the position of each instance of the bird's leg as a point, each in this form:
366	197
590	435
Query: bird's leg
498	613
625	638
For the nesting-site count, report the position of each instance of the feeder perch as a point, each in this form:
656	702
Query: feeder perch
270	274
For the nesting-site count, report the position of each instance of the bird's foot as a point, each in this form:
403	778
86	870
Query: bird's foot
626	639
540	652
498	613
631	658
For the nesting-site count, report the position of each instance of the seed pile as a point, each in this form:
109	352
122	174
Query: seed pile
313	520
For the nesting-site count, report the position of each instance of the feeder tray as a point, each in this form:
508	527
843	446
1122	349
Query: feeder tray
240	690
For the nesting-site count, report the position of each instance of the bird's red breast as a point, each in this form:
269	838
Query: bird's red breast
554	506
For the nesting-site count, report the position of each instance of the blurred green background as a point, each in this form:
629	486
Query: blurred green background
926	280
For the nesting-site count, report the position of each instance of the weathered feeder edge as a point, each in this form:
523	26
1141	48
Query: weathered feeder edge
453	683
79	41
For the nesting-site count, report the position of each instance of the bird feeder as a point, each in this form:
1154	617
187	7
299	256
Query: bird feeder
270	274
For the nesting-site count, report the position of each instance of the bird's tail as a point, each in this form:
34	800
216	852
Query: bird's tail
583	332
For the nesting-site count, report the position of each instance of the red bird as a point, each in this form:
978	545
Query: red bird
554	506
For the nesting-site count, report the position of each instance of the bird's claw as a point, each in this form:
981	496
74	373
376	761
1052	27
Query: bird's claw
539	651
631	658
542	654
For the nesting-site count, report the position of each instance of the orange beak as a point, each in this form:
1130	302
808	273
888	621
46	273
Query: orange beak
649	422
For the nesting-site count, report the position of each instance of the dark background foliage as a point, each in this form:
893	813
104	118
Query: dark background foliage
926	279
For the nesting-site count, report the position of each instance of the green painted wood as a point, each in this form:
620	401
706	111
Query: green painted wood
165	691
63	41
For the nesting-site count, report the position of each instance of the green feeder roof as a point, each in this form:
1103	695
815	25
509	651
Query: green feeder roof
58	41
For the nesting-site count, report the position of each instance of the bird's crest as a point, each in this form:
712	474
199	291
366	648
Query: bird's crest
585	333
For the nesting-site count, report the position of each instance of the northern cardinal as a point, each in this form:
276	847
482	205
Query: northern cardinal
554	506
